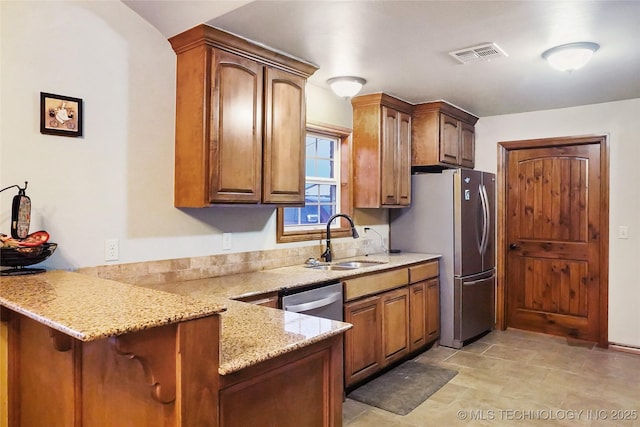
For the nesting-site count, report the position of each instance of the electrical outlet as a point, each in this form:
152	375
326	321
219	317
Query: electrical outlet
111	249
623	232
226	241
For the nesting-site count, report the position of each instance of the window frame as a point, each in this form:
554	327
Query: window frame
343	135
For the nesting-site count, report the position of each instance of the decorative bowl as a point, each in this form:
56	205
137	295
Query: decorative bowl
23	256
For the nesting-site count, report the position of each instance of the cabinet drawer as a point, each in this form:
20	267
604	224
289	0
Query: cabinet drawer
375	283
423	272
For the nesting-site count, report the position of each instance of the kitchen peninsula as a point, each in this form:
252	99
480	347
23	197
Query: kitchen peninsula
89	351
85	351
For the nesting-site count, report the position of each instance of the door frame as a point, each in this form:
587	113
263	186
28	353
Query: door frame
504	149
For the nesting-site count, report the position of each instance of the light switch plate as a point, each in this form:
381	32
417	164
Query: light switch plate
226	241
623	232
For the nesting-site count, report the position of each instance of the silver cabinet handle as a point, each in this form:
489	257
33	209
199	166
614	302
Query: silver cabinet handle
314	304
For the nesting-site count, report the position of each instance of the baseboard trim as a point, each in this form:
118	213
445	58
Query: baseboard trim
624	348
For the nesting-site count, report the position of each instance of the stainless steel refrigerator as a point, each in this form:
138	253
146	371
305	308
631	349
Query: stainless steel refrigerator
453	213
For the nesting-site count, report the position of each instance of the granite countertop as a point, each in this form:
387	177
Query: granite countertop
251	333
89	308
243	285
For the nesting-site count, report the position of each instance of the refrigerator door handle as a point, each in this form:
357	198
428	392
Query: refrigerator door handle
487	210
485	219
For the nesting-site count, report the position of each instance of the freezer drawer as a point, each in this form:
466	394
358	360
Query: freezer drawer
475	306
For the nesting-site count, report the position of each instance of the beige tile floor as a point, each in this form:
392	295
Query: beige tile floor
524	379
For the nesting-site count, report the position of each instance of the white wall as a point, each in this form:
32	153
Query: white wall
117	180
618	120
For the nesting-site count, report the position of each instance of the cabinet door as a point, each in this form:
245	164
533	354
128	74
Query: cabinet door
235	157
284	143
432	293
395	324
298	388
417	315
390	140
362	356
449	140
396	158
467	145
403	160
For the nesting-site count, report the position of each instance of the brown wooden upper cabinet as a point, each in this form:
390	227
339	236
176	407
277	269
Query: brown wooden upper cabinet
442	136
240	121
381	152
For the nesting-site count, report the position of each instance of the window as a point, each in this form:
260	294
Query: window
322	188
326	189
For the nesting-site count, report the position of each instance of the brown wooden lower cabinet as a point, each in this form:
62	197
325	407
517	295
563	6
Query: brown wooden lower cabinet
395	325
303	388
433	309
418	315
165	376
380	333
424	307
363	341
398	320
424	292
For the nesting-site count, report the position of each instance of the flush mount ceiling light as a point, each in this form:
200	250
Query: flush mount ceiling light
571	56
346	86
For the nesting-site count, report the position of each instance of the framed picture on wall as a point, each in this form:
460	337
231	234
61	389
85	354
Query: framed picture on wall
60	115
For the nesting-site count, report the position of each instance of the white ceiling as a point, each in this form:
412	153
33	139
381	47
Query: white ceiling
401	47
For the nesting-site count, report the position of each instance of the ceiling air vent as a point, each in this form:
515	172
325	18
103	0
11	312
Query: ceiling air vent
483	52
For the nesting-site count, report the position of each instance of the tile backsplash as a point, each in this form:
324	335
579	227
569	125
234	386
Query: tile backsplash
174	270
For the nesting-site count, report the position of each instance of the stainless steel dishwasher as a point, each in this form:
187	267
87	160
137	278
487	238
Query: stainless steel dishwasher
324	301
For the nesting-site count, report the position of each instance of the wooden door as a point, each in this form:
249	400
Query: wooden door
362	354
449	140
556	236
235	156
284	142
395	324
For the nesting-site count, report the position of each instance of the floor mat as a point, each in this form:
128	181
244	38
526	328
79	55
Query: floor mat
404	387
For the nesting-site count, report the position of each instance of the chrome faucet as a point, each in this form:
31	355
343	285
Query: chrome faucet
326	255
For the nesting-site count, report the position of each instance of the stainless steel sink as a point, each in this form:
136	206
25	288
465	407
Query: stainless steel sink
346	265
359	263
332	267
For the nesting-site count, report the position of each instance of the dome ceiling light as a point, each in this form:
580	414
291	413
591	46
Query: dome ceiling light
571	56
346	86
